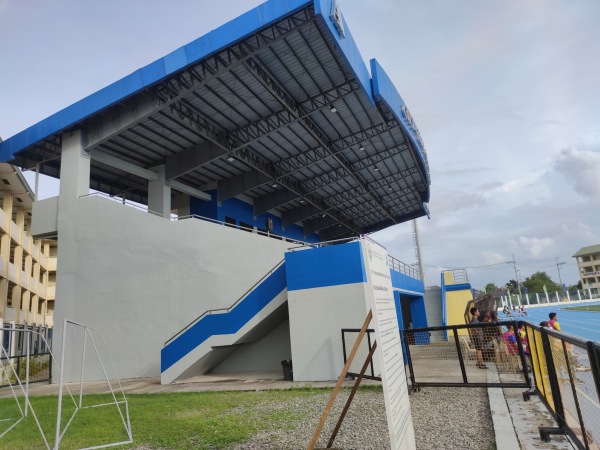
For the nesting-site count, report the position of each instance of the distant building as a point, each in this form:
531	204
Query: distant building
27	265
588	263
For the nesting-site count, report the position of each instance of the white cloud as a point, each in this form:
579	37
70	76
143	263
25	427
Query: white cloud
537	247
491	257
581	169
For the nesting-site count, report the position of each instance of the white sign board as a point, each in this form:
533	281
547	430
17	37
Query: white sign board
380	298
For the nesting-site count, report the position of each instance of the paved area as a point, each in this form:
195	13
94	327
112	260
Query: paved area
515	421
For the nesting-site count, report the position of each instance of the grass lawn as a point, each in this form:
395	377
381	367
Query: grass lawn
207	420
593	308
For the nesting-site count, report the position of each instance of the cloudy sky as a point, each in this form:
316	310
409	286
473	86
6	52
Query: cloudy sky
506	95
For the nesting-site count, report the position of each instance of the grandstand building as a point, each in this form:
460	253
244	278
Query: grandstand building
261	153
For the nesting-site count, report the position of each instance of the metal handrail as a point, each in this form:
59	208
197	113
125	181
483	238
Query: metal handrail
404	268
224	310
125	202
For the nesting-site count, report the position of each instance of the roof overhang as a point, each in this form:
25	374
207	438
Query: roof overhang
277	105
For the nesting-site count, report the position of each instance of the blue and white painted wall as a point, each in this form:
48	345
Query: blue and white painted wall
327	291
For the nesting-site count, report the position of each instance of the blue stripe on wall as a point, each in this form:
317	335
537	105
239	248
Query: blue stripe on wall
326	266
227	323
458	287
402	281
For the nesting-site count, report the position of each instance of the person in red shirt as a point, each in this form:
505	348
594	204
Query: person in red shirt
552	322
510	340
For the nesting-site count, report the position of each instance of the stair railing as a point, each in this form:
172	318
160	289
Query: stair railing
224	310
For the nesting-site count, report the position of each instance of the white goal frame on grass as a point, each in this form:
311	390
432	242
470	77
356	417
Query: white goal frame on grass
78	404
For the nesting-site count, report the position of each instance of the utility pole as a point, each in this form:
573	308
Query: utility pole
558	264
418	255
514	264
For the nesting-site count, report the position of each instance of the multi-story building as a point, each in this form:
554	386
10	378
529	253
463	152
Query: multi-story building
27	265
588	264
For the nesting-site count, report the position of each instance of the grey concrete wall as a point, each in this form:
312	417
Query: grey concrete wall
141	278
317	317
46	217
433	309
263	355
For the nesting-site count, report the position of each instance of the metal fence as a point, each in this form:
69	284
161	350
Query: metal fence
567	379
474	355
349	336
25	354
562	369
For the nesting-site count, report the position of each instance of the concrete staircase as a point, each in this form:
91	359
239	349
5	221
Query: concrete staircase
216	334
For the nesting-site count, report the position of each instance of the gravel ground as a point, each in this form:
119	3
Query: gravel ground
444	418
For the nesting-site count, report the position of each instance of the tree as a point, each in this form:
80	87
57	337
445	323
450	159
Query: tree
513	286
537	281
490	287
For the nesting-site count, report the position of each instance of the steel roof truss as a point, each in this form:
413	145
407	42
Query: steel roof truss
316	154
161	97
231	187
273	200
298	214
253	131
319	223
190	159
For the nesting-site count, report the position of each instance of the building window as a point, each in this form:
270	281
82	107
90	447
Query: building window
230	221
246	226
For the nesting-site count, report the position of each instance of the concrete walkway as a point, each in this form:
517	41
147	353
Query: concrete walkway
516	422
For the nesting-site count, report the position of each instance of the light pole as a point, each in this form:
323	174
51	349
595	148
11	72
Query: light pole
514	264
558	264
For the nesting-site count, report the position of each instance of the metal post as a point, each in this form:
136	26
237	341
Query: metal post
27	374
537	296
82	365
460	356
60	385
594	356
578	294
571	371
410	364
522	354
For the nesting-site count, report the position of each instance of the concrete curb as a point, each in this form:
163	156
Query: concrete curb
504	430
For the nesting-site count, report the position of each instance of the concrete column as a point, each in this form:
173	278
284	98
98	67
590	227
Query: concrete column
3	295
159	193
74	167
579	294
24	314
16	300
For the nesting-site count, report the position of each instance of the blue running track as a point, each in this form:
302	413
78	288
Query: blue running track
584	324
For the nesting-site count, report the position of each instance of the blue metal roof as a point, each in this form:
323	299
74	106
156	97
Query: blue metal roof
179	100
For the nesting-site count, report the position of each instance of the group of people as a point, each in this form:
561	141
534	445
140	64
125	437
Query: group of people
483	339
517	311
